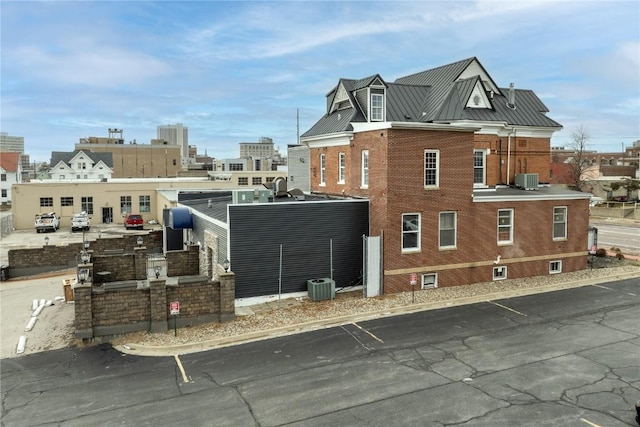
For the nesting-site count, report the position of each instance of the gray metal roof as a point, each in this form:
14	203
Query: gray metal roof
217	209
67	156
436	95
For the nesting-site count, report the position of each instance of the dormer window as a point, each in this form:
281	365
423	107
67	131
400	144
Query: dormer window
377	107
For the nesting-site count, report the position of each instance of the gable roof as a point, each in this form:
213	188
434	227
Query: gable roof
67	156
9	161
439	95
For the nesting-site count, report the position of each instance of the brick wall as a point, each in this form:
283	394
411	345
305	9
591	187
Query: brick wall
27	261
527	155
145	306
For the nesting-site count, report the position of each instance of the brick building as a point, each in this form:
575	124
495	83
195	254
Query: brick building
454	168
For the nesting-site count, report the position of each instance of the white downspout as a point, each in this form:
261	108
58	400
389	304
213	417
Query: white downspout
513	132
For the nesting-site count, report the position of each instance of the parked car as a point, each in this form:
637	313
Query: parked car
80	221
132	220
47	222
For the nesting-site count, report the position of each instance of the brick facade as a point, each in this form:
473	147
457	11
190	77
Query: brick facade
396	187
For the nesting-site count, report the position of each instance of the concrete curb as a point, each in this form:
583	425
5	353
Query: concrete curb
179	349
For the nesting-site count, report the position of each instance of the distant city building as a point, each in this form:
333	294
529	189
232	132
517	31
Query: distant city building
176	135
133	160
263	153
11	143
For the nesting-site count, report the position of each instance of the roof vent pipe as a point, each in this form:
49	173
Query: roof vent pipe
511	103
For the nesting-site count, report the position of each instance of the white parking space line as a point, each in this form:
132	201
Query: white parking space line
603	287
506	308
184	374
589	422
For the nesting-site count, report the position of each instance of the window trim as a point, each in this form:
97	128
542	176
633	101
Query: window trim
565	217
435	281
502	268
436	169
342	168
364	169
558	266
511	226
323	170
418	232
455	230
375	117
484	168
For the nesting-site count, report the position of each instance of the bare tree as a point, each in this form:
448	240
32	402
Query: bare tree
579	164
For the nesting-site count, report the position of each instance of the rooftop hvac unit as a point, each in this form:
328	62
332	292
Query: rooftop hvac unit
242	196
264	196
527	181
321	289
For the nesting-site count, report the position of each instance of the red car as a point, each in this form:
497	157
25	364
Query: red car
132	220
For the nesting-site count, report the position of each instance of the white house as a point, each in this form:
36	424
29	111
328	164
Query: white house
10	173
81	164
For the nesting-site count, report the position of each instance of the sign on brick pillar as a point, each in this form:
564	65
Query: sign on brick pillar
158	305
83	311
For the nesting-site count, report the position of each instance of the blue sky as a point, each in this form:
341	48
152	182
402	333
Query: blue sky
235	71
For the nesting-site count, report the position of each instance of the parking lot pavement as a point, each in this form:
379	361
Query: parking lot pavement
30	239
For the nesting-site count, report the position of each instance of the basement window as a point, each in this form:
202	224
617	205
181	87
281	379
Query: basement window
499	273
430	281
555	267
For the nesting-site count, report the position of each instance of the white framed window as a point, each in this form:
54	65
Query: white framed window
431	168
323	169
377	107
447	227
364	175
429	280
505	226
500	273
125	204
145	203
410	232
555	267
479	168
559	223
342	168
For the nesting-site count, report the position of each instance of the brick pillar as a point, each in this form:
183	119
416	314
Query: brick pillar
158	305
227	296
140	262
83	311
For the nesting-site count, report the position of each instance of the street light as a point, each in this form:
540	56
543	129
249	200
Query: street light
85	257
46	241
225	265
83	275
85	244
157	270
139	240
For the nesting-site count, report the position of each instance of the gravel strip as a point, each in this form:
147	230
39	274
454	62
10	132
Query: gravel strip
302	310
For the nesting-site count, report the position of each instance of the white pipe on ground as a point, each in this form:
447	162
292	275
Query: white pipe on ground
31	324
22	342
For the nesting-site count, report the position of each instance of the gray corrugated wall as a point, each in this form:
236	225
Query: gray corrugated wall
200	225
305	230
